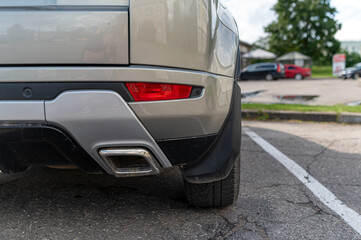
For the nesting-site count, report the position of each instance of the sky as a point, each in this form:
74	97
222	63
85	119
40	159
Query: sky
253	15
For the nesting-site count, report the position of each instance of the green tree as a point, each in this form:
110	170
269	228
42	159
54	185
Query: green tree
306	26
352	58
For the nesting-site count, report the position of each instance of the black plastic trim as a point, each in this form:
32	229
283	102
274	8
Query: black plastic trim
49	91
218	161
26	145
187	150
196	92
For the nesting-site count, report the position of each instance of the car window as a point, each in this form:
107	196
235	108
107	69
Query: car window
265	67
251	68
292	68
358	66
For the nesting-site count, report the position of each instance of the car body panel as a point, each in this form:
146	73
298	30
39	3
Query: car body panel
182	34
189	117
43	37
96	42
17	111
292	70
100	119
21	3
226	17
194	117
351	72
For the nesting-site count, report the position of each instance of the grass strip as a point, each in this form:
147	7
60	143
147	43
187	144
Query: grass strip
301	108
322	72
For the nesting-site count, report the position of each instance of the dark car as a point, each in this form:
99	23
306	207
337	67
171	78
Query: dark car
267	71
296	72
352	72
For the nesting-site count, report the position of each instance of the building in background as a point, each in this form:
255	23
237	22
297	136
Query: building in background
244	48
351	46
296	58
263	43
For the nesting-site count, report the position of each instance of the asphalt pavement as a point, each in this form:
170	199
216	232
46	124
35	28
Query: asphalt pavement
324	91
273	203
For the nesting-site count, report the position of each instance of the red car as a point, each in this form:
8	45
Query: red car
296	72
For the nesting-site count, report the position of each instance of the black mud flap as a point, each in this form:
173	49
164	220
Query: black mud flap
218	161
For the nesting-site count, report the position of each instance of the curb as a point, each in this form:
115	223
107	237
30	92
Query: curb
350	118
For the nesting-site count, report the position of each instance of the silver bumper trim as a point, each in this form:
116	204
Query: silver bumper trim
18	111
99	120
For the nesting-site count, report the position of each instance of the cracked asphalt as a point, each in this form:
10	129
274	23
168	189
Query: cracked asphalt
273	204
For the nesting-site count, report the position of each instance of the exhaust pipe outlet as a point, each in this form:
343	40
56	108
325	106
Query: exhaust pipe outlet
130	162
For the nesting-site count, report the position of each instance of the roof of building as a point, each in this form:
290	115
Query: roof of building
245	44
293	56
259	54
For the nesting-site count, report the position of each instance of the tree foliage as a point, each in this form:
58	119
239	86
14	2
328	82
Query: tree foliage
352	58
306	26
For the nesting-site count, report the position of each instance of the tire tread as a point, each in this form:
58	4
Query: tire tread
215	194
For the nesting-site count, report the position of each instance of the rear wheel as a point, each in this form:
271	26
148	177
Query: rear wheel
269	77
298	77
356	76
215	194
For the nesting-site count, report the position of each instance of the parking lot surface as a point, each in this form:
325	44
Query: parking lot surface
326	91
273	203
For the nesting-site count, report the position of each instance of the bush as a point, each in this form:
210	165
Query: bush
322	71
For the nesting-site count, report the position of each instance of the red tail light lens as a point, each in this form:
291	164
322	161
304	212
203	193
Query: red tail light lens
158	91
278	68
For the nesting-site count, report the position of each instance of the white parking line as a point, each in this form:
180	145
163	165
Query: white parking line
350	216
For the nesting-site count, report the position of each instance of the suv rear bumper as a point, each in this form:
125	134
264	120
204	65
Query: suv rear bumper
184	118
97	117
205	159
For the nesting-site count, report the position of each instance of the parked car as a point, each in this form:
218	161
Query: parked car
352	72
296	72
111	87
267	71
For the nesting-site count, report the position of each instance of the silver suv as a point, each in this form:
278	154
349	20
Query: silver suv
123	87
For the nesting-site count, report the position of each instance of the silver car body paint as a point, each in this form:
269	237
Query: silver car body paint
100	119
180	41
164	120
225	16
182	34
17	111
30	36
190	117
11	3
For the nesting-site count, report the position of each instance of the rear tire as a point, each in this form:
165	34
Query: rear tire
356	76
298	77
221	193
269	77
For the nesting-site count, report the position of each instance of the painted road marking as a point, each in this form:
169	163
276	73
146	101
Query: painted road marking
350	216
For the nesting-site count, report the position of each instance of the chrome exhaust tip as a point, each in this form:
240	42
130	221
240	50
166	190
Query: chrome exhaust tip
130	162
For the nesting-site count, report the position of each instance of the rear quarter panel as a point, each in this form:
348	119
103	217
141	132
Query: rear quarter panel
182	34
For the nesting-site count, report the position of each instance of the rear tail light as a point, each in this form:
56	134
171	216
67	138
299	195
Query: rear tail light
158	91
278	68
